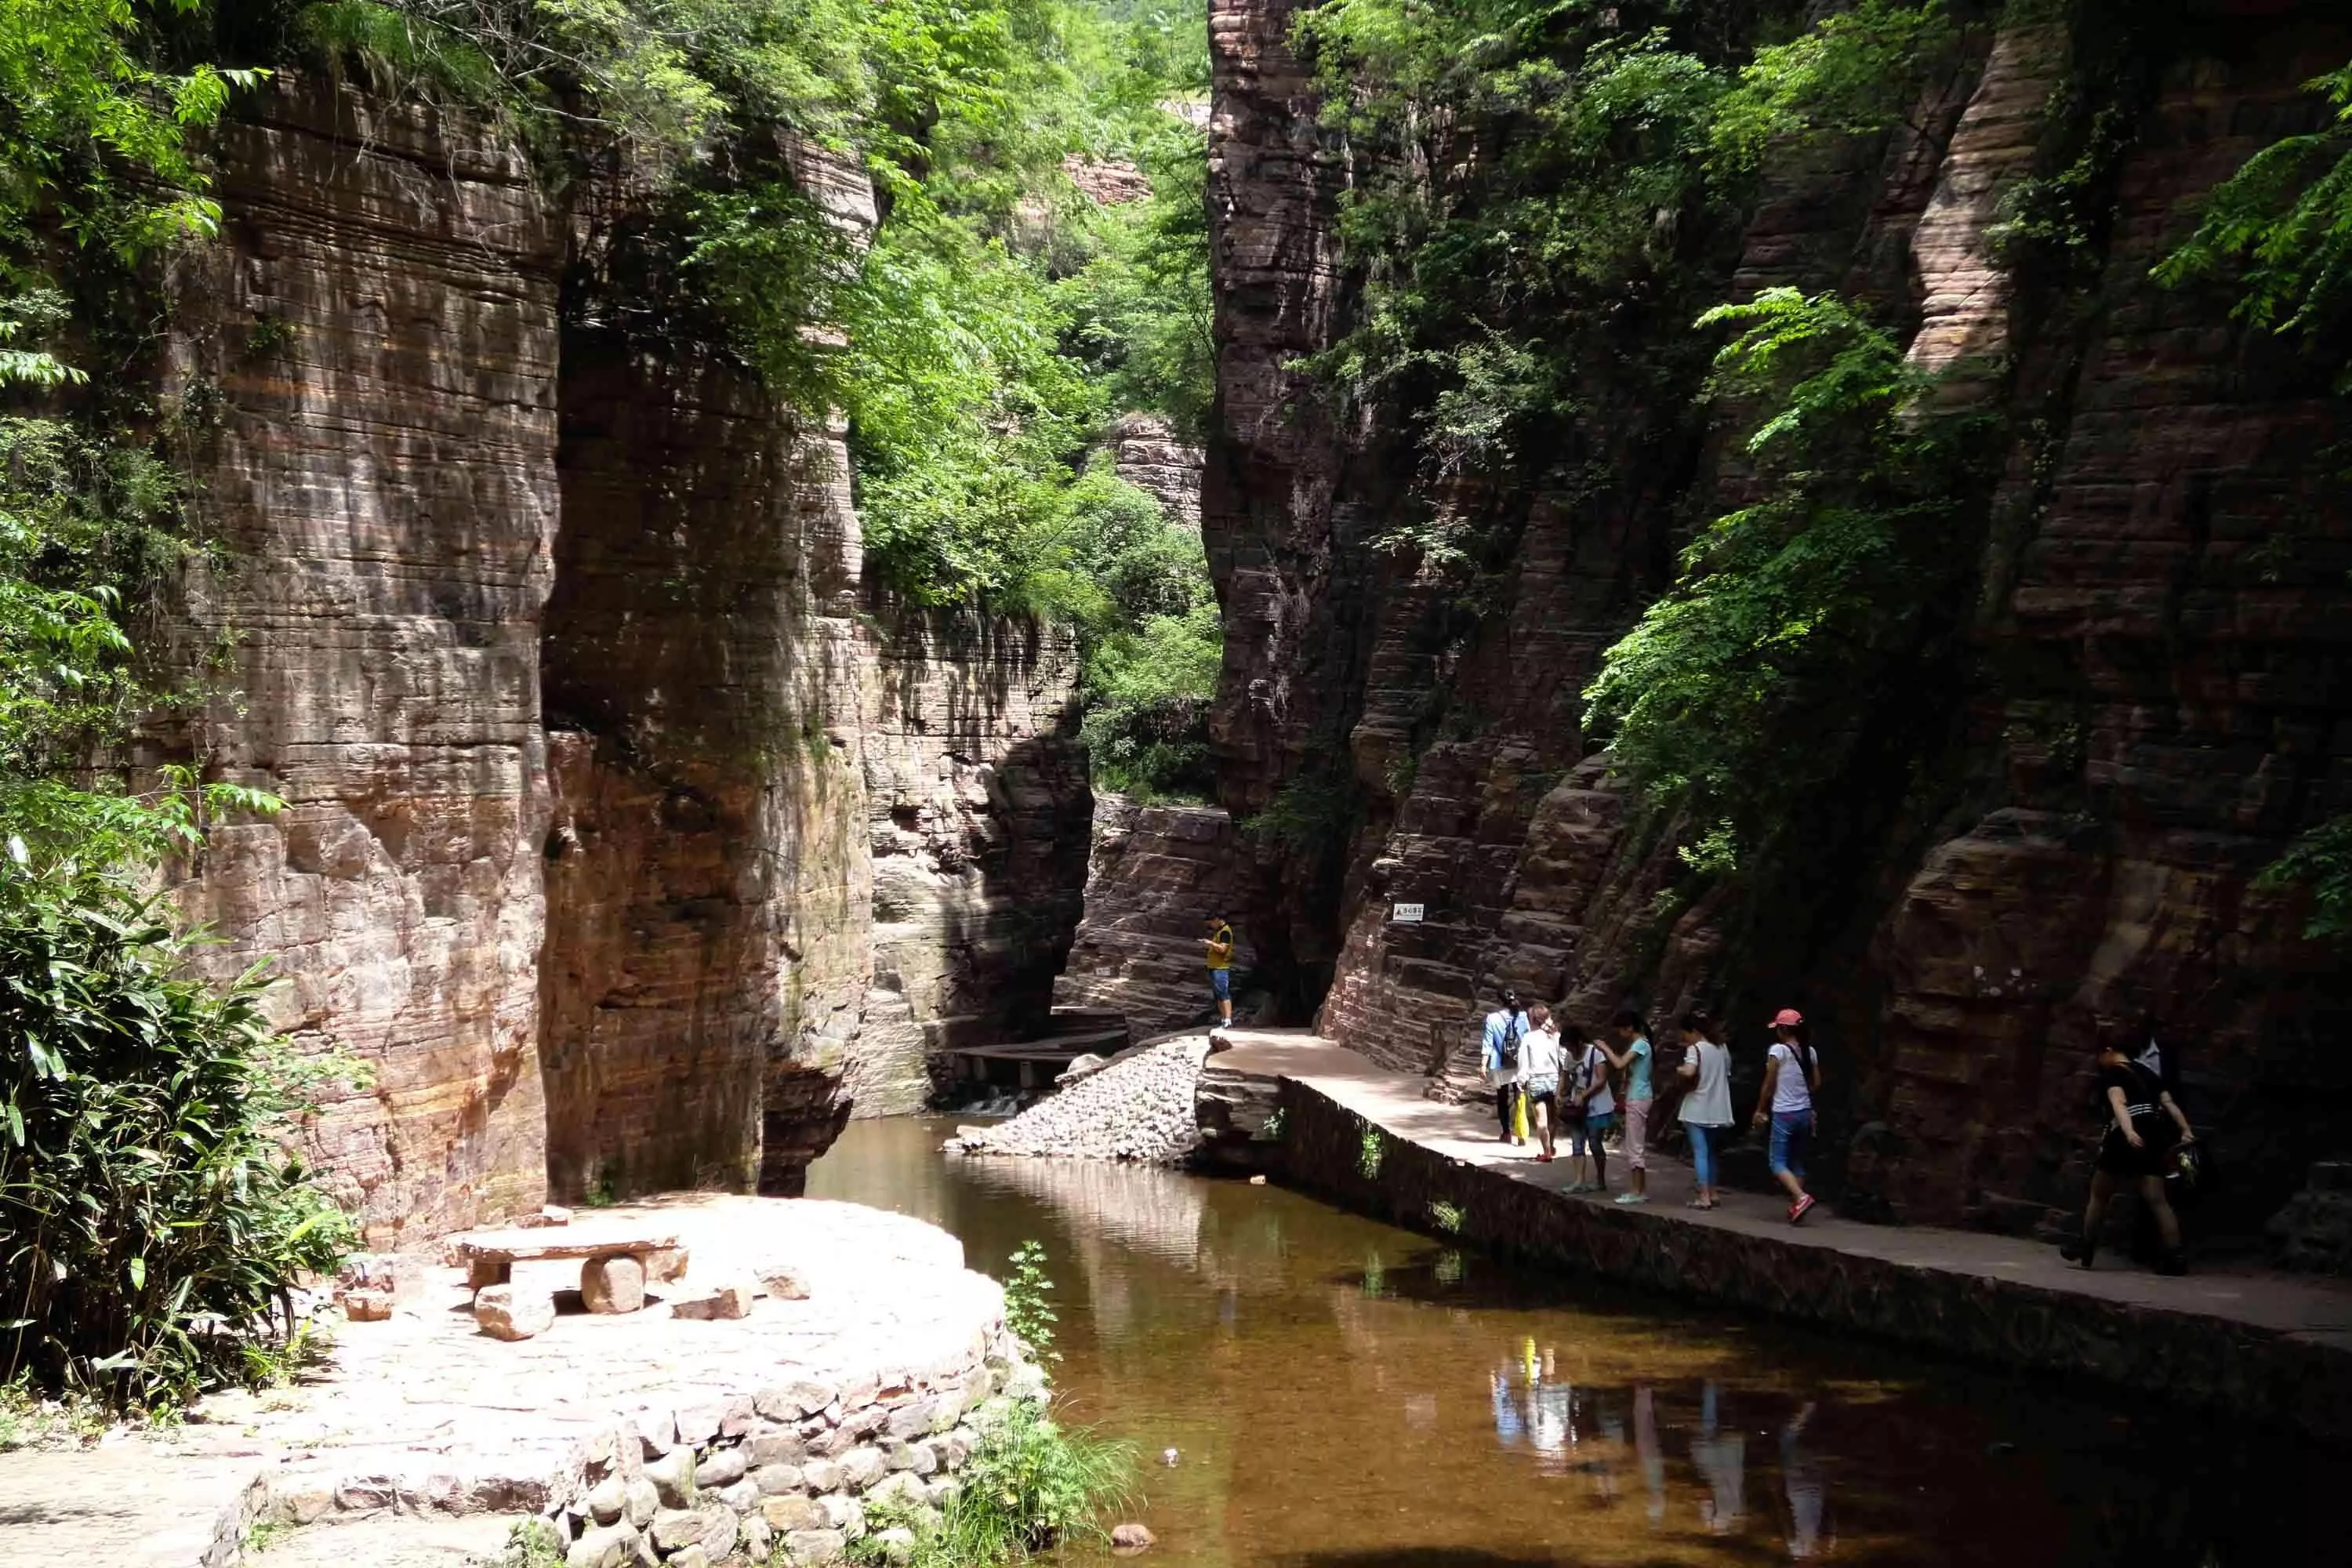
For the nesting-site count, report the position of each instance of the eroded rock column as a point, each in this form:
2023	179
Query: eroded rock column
365	364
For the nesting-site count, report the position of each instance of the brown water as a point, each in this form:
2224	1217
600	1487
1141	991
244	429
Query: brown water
1343	1395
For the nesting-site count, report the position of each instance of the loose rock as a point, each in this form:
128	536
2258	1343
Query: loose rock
612	1284
732	1300
813	1548
513	1311
1139	1109
783	1282
365	1306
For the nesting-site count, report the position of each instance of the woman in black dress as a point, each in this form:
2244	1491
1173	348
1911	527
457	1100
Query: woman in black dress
2135	1103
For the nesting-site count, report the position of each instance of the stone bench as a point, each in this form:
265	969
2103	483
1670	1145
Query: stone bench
490	1257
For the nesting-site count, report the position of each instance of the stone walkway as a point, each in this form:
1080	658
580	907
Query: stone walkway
2307	1313
115	1507
422	1417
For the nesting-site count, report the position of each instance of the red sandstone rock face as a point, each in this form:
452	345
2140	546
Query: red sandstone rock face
977	808
2157	711
1290	569
1158	872
439	505
2186	717
378	326
1146	453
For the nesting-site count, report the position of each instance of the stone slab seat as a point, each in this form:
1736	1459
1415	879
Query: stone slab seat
489	1255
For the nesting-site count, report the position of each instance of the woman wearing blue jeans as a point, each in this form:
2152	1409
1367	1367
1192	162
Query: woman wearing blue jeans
1706	1073
1792	1074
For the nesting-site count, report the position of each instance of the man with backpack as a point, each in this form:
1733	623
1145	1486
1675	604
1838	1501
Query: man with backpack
1498	1057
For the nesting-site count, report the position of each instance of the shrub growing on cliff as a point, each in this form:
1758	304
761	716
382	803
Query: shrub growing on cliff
2321	861
154	1222
2281	229
1749	685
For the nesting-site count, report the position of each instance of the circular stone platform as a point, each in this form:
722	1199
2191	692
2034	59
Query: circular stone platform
642	1432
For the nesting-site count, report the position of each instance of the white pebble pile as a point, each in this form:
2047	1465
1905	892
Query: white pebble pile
1138	1109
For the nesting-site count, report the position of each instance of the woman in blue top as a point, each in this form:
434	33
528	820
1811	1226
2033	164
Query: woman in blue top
1634	1061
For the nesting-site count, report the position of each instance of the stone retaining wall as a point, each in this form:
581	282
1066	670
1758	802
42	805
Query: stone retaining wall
722	1478
2204	1363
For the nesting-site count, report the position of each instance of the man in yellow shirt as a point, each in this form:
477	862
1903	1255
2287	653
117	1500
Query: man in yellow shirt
1221	969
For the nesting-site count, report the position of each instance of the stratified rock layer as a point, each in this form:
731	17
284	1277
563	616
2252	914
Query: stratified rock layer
374	345
629	946
2151	706
1158	873
977	808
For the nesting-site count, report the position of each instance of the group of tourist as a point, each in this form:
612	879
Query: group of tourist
1551	1075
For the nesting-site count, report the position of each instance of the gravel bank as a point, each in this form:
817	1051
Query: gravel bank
1139	1109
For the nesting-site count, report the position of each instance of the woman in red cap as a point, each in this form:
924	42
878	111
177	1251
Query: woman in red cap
1793	1075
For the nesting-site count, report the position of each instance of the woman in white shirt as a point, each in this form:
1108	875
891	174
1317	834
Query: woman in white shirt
1705	1073
1541	1056
1792	1072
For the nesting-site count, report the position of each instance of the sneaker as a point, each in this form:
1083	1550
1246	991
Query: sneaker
1799	1209
1543	1158
2076	1253
1633	1197
2172	1263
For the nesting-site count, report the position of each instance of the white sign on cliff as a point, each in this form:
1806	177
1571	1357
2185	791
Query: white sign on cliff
1405	914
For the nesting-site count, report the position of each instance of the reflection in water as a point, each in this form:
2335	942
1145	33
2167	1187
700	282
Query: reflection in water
1348	1395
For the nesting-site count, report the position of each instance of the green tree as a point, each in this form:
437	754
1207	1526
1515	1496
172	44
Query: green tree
2279	230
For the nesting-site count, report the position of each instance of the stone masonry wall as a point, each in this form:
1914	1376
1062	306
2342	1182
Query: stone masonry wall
809	1466
2202	1362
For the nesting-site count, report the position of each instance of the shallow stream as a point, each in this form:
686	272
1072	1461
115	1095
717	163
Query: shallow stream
1343	1395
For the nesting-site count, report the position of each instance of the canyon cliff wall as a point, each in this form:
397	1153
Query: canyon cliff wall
977	809
368	361
1157	874
2153	700
559	643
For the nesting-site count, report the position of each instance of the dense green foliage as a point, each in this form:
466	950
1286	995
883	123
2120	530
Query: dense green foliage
2322	859
1029	1314
2280	229
1547	189
997	321
153	1220
1031	1483
1737	693
1546	233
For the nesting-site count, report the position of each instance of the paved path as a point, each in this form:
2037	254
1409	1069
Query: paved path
2318	1312
423	1415
115	1507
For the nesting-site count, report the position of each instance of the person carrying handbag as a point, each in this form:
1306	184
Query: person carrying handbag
1705	1073
2133	1103
1498	1058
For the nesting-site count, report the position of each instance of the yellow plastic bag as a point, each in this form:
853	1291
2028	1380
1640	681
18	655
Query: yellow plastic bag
1519	1116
